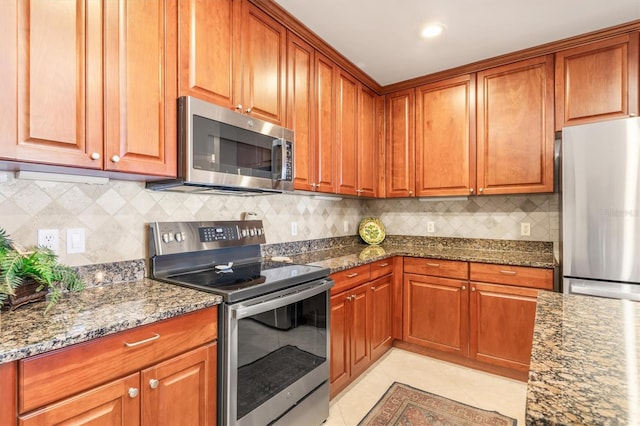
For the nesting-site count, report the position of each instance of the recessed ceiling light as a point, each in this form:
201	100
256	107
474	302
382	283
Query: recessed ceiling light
433	30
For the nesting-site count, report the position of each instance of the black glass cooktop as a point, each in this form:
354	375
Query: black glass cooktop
243	281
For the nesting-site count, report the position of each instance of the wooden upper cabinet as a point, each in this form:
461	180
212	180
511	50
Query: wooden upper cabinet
9	78
300	111
446	137
140	87
97	85
370	151
207	58
347	133
325	120
60	81
515	131
597	81
400	144
264	52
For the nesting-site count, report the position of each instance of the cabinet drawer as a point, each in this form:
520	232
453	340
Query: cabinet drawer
522	276
350	278
436	267
49	377
381	268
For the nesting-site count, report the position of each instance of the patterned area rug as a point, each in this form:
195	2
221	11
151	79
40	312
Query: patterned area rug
405	405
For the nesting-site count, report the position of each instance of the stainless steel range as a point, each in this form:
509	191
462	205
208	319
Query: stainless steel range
273	335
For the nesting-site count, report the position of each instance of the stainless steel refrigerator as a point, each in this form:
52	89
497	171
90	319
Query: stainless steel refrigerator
601	209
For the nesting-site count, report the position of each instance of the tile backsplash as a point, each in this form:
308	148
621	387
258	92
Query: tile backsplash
115	215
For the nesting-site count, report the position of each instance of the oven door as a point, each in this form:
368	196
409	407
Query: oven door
274	353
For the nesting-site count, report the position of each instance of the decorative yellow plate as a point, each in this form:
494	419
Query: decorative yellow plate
372	230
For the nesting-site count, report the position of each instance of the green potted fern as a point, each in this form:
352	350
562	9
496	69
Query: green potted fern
31	275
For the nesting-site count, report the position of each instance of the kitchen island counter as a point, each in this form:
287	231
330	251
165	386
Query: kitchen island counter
585	362
92	313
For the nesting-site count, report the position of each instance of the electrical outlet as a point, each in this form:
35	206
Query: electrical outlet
294	229
431	227
345	226
525	229
49	238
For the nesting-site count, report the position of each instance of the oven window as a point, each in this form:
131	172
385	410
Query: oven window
278	347
223	148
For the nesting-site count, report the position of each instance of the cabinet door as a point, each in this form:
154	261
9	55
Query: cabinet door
60	71
9	78
181	390
8	392
300	116
113	404
140	87
446	137
381	311
515	134
207	58
347	133
340	369
501	324
360	329
400	144
264	50
370	116
325	120
436	313
597	81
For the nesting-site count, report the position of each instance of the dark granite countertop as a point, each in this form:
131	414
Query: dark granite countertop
93	313
585	362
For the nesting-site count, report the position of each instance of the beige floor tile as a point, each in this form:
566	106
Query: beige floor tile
476	388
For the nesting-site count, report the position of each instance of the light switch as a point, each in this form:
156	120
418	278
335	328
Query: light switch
75	240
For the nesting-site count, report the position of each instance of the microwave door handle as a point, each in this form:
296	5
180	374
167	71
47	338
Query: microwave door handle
276	161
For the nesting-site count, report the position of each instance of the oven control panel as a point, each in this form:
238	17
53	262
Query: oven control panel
184	237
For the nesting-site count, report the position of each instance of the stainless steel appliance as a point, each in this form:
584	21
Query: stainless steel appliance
220	150
601	209
273	334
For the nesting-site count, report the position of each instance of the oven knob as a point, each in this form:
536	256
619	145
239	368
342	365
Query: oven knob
259	232
244	233
179	236
165	238
252	232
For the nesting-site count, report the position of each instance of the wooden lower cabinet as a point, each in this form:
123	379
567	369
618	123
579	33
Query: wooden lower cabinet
163	373
361	313
484	321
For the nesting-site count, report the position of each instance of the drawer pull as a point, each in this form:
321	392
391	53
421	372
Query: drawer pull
382	265
508	272
155	336
133	392
355	274
434	265
373	288
153	383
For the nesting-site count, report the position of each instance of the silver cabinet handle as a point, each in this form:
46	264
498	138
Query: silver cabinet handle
239	107
349	298
355	274
115	159
95	156
153	383
133	392
434	265
473	289
155	336
382	265
373	288
481	189
248	110
410	192
471	190
463	288
508	272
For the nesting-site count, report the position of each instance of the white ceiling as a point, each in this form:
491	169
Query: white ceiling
382	37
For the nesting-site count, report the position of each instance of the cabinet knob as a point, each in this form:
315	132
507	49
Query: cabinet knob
248	110
349	298
373	288
95	156
153	383
133	392
115	159
471	190
480	189
410	192
239	107
463	288
473	289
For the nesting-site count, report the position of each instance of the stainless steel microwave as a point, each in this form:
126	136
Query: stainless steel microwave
220	150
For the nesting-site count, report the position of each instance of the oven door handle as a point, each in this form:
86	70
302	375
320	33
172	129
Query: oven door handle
243	311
